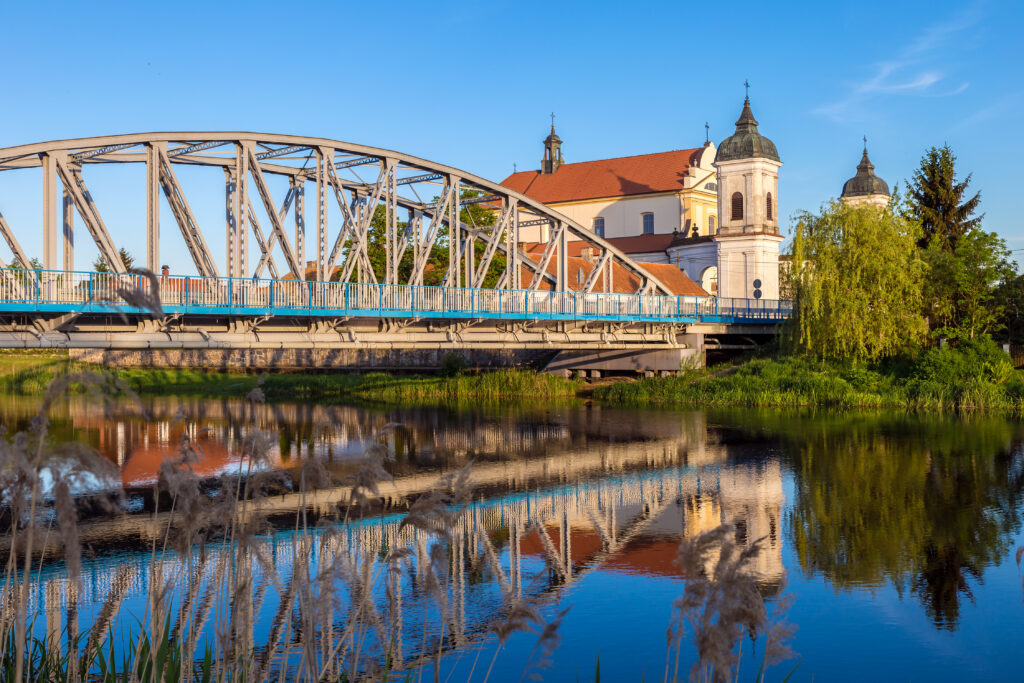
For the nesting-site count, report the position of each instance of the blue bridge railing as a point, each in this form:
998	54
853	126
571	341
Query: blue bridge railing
85	292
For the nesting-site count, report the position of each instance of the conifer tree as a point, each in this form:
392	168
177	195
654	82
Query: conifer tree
936	200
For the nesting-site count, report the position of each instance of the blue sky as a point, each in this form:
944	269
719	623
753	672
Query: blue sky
471	85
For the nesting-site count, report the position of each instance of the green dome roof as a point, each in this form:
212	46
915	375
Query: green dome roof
865	182
746	142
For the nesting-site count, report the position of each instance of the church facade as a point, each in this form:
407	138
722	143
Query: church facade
709	211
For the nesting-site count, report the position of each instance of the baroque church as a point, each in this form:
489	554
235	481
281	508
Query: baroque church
711	212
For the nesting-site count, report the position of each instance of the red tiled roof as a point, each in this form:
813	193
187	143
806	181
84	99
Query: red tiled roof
623	282
673	278
640	174
638	244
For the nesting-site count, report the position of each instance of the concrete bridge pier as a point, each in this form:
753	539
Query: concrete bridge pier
688	353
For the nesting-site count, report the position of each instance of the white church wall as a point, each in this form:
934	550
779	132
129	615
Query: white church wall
623	217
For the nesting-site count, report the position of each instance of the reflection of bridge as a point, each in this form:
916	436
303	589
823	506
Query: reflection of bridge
386	225
546	539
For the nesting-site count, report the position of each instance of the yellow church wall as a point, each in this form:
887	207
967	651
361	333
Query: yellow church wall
623	216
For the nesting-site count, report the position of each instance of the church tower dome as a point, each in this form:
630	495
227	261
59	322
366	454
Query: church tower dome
747	142
865	187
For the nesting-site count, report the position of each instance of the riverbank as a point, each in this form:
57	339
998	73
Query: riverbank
29	374
975	377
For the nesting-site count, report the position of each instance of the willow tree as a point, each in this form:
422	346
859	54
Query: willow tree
857	278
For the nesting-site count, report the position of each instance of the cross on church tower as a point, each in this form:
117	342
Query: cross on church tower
746	85
865	143
707	132
552	122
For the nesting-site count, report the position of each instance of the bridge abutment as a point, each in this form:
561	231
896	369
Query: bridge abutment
689	354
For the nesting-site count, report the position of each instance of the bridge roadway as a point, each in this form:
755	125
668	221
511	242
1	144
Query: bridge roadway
87	310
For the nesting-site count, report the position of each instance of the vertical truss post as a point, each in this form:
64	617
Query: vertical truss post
49	212
231	211
152	208
470	250
242	217
69	231
321	211
391	223
512	274
563	257
299	192
454	235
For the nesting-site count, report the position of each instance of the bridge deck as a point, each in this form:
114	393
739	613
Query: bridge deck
44	291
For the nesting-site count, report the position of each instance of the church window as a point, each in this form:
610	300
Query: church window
768	206
648	223
711	225
737	206
599	227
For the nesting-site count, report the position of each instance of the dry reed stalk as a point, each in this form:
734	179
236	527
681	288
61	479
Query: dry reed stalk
105	617
720	603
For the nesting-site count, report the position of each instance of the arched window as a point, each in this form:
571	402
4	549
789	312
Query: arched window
648	223
737	206
768	206
709	280
711	225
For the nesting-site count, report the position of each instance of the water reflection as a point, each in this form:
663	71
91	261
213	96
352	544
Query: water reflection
926	505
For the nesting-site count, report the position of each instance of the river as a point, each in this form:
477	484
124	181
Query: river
894	534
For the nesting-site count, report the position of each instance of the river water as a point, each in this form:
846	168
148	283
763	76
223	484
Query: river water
895	534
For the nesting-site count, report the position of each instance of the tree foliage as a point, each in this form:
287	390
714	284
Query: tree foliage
473	215
857	274
965	288
937	201
100	264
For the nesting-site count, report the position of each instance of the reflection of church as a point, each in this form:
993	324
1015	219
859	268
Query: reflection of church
711	212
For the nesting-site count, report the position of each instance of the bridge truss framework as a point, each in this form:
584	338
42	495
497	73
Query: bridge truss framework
422	202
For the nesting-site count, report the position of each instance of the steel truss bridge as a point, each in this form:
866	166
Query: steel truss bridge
258	291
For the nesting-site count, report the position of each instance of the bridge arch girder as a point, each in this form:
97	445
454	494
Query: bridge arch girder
332	169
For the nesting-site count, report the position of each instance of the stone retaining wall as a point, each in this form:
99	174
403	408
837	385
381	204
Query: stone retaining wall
306	359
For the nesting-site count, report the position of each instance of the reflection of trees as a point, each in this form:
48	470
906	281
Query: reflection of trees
925	504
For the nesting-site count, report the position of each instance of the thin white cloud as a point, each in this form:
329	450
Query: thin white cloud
908	73
1002	107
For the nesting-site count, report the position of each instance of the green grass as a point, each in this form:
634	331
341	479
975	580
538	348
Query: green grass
29	374
977	376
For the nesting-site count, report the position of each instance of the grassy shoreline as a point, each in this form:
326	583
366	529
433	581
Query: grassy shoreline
976	377
940	380
29	374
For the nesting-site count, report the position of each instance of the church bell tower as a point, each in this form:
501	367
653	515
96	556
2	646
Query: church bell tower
552	151
748	199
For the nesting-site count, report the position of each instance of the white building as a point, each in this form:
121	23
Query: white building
711	212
